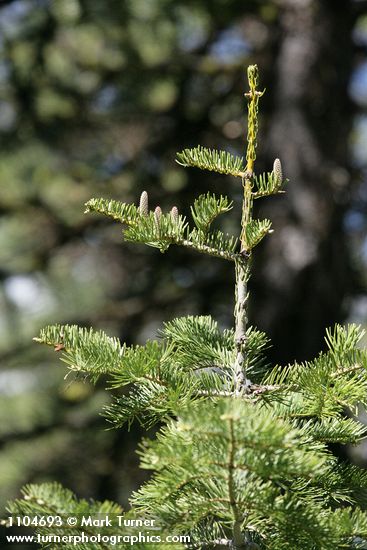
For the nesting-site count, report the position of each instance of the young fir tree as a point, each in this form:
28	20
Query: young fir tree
241	459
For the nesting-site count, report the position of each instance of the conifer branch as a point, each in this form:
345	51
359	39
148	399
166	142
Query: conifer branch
214	244
267	184
206	208
245	449
193	361
163	230
84	350
330	384
255	231
221	162
128	214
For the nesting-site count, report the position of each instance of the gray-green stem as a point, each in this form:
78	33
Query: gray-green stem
241	300
242	267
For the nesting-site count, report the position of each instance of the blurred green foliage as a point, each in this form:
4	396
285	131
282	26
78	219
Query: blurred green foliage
95	98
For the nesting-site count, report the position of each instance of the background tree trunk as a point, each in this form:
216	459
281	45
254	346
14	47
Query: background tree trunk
303	274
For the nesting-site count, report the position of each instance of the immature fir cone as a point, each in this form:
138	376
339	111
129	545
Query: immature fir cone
143	205
277	171
157	216
174	214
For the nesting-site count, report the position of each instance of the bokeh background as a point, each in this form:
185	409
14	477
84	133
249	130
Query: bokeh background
95	99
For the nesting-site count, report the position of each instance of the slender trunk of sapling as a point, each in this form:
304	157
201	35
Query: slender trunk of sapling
243	261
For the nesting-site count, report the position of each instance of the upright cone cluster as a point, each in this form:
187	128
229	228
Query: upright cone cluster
144	210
